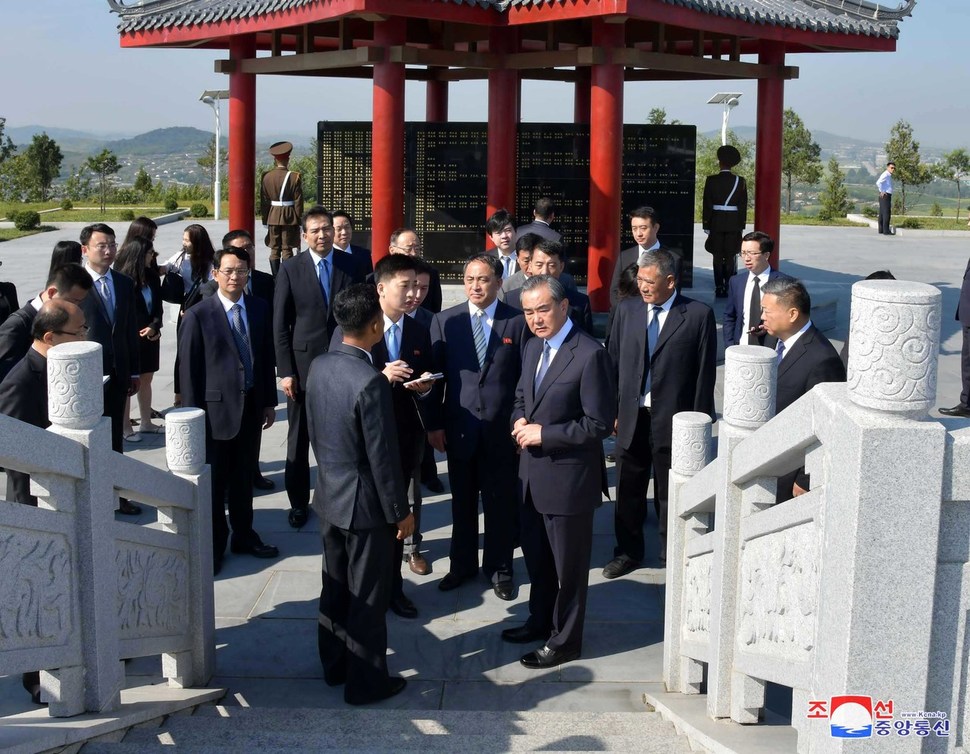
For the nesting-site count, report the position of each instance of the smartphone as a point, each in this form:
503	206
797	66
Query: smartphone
429	378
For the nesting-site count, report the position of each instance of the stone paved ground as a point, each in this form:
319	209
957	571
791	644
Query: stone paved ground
452	654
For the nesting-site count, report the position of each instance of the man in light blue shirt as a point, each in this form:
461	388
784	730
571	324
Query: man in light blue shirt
885	187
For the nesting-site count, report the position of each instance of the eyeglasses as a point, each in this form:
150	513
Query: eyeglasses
235	273
105	246
82	330
410	247
751	254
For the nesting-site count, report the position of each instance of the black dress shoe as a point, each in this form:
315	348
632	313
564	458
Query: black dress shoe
504	590
544	657
959	410
524	635
619	566
298	517
402	606
128	508
434	485
394	687
450	581
256	549
262	483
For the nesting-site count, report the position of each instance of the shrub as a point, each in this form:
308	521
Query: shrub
126	196
914	223
67	205
26	219
127	215
936	210
171	204
199	210
869	211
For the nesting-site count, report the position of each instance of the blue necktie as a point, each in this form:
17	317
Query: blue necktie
393	346
242	343
105	291
323	271
653	332
780	350
507	261
478	332
543	365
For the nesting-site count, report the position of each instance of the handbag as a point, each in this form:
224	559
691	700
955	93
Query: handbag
172	287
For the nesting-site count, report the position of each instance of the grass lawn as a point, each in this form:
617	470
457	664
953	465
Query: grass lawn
9	234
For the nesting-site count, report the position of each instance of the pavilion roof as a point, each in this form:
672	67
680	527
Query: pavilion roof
862	17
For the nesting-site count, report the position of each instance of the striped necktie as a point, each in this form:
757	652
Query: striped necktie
478	331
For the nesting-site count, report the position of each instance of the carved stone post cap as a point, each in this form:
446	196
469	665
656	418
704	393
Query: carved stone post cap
749	385
894	342
185	440
75	396
690	447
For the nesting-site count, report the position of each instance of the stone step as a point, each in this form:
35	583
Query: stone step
234	729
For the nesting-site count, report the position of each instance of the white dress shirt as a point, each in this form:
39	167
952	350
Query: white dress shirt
555	343
748	289
488	320
793	339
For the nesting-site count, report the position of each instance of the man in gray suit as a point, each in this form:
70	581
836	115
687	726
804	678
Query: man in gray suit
360	499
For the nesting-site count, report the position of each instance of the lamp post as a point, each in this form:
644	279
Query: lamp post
730	101
211	97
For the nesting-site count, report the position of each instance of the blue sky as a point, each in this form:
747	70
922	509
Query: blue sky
63	67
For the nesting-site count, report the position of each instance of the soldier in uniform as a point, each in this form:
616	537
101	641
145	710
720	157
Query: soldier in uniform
281	205
724	215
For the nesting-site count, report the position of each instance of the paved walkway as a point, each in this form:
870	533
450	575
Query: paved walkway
452	654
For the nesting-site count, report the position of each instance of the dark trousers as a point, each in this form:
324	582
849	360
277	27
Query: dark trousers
634	465
492	474
115	397
885	213
429	468
233	463
557	552
297	473
352	631
412	449
965	368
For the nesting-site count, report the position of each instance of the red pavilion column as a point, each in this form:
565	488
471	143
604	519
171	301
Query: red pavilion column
581	95
503	110
771	106
242	137
605	159
387	140
436	109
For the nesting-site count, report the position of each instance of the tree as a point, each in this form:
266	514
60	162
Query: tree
903	149
16	179
143	182
7	147
707	164
78	185
834	198
104	165
44	157
658	117
954	167
799	154
208	162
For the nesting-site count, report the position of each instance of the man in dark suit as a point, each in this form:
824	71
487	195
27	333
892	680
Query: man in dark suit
742	313
724	213
548	259
67	283
963	317
544	215
23	396
111	320
565	406
524	245
500	228
406	241
477	346
302	323
645	224
226	366
343	233
805	357
664	346
359	498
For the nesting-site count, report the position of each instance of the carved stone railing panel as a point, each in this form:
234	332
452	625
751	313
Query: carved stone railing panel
153	585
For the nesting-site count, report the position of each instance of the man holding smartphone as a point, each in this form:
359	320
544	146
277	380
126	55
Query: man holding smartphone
742	314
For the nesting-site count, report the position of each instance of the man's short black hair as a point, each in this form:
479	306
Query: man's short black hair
52	317
69	276
356	307
392	264
646	213
240	254
234	235
890	163
492	261
498	221
545	208
318	210
421	267
552	248
527	242
342	213
791	293
89	230
765	242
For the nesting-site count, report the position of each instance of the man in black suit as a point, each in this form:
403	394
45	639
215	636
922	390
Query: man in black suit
67	283
406	241
359	498
343	233
963	317
111	320
805	357
724	213
226	368
742	313
543	215
302	323
500	228
23	396
645	224
565	406
477	346
548	259
664	346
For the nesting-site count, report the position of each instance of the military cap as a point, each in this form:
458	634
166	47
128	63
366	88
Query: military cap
280	148
728	155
